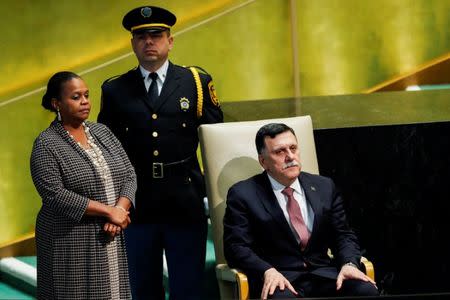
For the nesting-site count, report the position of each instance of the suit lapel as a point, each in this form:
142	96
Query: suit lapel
270	203
170	85
312	195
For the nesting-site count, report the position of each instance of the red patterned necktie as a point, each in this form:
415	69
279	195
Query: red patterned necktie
295	215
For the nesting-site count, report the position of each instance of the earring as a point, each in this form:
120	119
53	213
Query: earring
58	114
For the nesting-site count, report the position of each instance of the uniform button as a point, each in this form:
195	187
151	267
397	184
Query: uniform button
155	134
154	116
155	153
184	124
305	265
126	128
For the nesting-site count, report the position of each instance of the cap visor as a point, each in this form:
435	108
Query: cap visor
150	30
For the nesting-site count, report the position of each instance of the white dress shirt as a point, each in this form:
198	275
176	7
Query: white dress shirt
162	73
299	195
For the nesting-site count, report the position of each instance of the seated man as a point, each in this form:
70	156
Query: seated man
279	224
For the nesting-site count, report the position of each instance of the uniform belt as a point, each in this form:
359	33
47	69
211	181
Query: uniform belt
159	169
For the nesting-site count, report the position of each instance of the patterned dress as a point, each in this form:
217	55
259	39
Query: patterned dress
111	247
75	258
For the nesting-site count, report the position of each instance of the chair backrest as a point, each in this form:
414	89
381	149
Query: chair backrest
229	155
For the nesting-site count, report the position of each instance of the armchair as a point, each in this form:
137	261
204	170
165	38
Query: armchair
229	155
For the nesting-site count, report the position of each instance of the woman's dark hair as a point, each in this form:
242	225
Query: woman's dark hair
55	87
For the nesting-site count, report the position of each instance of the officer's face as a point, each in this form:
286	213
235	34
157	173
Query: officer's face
281	158
152	48
74	105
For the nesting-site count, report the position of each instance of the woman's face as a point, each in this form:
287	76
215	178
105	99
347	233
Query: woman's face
74	105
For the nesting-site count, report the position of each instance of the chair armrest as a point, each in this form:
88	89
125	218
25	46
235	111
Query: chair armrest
225	273
368	267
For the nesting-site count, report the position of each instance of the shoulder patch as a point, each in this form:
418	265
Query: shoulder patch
213	94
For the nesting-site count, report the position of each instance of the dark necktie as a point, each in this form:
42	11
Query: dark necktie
295	215
153	89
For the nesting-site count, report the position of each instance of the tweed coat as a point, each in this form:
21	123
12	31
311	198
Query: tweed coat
71	247
162	132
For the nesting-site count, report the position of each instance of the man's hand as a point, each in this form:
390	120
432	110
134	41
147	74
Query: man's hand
272	280
351	272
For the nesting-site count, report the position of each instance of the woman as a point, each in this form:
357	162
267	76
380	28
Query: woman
87	185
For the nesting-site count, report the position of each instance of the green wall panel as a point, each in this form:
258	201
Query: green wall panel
39	37
18	201
353	110
247	51
343	47
83	36
349	46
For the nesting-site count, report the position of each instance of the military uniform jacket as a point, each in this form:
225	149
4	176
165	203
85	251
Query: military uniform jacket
162	132
72	260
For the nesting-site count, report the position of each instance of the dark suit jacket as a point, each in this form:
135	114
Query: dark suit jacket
165	132
258	237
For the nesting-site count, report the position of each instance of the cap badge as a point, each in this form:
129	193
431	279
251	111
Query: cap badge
184	103
146	12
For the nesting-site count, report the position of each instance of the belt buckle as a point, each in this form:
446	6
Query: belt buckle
158	170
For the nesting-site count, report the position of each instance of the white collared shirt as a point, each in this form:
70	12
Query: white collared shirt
299	195
162	73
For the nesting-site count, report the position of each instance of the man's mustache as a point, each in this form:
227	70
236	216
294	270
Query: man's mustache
290	164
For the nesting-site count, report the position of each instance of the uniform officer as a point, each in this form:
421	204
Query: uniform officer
155	110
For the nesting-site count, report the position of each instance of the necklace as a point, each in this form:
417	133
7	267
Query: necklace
94	152
77	142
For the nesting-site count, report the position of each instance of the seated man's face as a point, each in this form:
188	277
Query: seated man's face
281	158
